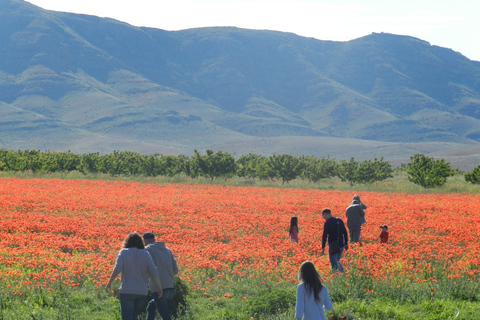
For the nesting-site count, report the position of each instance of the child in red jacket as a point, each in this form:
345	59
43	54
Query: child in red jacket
384	234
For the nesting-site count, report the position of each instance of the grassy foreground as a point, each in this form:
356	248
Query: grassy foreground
255	298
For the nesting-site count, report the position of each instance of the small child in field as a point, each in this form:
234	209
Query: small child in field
293	231
384	234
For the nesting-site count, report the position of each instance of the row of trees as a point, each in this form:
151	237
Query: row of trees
422	170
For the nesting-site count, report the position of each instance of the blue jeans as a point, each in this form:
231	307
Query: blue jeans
335	261
160	304
131	305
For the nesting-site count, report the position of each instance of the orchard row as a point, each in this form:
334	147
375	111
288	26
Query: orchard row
422	170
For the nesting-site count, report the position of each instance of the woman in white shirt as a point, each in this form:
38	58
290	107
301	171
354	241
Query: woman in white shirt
312	296
136	266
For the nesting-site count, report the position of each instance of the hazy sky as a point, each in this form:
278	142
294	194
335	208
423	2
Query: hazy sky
453	24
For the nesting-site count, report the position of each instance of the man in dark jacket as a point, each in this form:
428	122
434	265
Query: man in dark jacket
355	218
334	231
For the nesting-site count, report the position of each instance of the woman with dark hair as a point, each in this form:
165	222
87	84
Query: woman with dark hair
136	266
312	296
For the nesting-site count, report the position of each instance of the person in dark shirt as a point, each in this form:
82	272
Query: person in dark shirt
334	230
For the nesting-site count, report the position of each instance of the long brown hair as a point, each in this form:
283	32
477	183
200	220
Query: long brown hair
293	222
133	240
310	277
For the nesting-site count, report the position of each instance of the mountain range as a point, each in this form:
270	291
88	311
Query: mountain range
89	84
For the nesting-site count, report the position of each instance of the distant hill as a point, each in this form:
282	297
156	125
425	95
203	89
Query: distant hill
88	84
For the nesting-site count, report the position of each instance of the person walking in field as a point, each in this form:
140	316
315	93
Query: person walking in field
355	219
167	269
335	234
293	231
136	267
312	295
357	198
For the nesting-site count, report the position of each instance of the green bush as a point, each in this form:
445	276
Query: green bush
277	301
178	304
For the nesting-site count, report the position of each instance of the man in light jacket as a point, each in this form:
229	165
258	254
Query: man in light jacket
167	268
355	218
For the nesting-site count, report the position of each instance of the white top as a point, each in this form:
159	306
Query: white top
136	266
306	307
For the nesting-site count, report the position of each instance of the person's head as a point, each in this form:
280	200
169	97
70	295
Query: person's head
356	197
308	275
133	240
148	237
293	221
326	213
384	228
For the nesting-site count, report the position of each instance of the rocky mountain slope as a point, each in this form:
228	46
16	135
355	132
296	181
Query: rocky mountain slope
89	84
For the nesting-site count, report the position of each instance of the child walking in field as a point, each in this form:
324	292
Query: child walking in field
384	234
312	295
293	231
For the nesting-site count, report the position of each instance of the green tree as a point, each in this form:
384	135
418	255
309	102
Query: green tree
227	164
263	170
314	169
369	171
428	172
171	165
13	161
215	165
32	160
347	171
182	161
63	162
122	163
151	165
3	155
473	176
90	163
192	165
247	165
285	166
383	169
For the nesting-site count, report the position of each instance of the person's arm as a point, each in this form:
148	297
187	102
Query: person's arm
324	237
300	304
108	287
362	213
345	236
153	273
327	304
174	264
159	286
115	272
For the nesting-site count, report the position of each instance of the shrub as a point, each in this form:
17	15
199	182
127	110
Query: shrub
473	176
427	172
277	301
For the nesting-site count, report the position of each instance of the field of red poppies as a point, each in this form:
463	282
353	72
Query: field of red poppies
69	231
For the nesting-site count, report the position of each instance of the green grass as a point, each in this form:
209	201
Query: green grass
398	184
233	297
83	302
